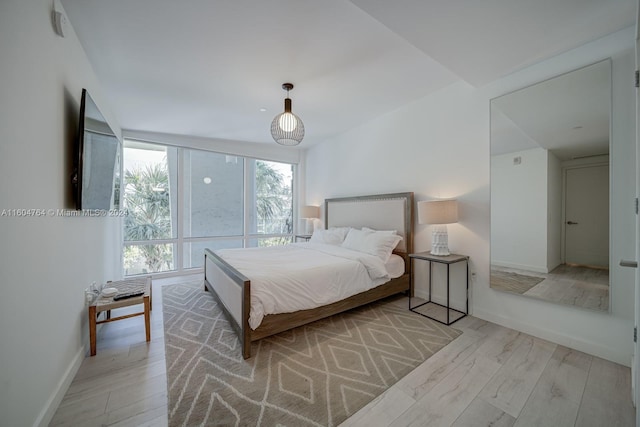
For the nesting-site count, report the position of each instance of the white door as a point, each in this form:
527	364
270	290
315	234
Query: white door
587	215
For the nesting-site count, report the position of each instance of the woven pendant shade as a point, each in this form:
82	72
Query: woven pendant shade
286	127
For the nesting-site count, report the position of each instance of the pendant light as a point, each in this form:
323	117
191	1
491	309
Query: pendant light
286	127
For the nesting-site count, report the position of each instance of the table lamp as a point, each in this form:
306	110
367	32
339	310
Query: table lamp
309	213
438	213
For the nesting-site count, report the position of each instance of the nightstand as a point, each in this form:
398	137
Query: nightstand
430	305
305	237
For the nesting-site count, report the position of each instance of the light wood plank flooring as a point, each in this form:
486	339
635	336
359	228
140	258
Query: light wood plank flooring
570	285
489	376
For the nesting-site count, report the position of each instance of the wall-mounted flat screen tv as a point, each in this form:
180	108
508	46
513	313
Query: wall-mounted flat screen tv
97	173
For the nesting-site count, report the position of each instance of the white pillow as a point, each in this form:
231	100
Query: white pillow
356	240
330	236
380	244
395	266
379	231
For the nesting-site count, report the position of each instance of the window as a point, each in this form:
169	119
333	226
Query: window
181	201
270	197
148	197
213	203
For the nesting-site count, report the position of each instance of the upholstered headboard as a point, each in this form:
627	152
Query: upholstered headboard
378	211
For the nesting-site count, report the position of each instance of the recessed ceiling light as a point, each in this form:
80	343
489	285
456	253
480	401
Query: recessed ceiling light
207	180
263	109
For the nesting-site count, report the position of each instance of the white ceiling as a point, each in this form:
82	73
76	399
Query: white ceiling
207	67
568	115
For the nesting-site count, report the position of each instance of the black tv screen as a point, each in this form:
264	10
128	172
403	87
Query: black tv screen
97	176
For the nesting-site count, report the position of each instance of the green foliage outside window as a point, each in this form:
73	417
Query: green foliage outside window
147	200
273	205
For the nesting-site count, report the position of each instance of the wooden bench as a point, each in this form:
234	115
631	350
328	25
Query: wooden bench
106	304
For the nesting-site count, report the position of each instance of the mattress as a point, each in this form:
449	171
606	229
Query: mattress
302	276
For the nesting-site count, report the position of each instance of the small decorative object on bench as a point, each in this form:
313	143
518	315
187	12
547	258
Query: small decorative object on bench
109	292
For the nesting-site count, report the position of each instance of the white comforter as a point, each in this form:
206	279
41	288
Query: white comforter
301	276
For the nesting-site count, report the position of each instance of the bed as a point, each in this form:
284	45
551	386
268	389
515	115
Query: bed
232	288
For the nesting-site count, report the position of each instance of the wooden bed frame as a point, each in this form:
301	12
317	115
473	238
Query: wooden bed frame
233	290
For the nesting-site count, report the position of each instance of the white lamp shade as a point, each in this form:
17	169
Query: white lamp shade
438	212
310	212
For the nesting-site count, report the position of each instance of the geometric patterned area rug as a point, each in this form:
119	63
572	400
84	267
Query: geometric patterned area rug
314	375
513	282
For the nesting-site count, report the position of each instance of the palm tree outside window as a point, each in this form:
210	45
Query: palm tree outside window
164	232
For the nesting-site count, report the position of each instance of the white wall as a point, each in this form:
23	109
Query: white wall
519	210
439	147
271	152
526	210
46	262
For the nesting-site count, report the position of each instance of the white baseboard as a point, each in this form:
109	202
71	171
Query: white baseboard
56	397
49	410
589	347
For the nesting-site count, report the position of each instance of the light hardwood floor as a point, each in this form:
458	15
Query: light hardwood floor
570	285
489	376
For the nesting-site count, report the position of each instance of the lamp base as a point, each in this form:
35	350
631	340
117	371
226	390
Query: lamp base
309	226
440	241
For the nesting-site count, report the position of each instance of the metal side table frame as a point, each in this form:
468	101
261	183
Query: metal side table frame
447	260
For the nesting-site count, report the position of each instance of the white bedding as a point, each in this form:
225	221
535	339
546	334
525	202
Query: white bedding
313	275
395	266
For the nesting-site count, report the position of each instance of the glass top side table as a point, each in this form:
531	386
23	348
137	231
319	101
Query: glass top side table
452	314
